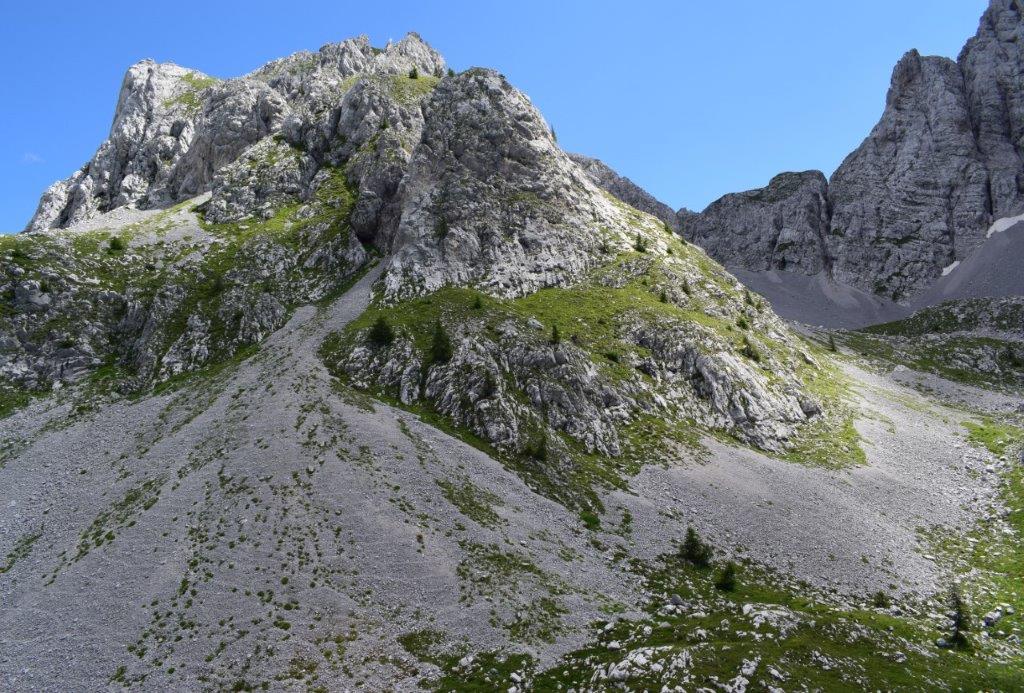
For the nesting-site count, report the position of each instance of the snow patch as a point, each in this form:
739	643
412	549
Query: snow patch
1000	225
949	268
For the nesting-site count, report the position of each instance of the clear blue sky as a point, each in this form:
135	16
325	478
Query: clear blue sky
690	99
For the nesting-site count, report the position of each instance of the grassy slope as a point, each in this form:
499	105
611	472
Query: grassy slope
680	287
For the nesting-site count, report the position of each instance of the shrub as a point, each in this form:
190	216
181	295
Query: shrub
1013	358
741	322
538	448
686	287
590	520
881	600
478	303
750	351
555	336
116	245
663	297
727	577
414	73
441	349
640	245
451	72
381	333
694	550
960	620
747	297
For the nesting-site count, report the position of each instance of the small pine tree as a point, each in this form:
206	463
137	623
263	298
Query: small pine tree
832	343
747	297
116	244
478	303
441	349
881	600
663	297
414	73
686	287
694	550
741	322
555	336
750	351
640	245
451	72
960	620
381	333
538	449
727	578
490	386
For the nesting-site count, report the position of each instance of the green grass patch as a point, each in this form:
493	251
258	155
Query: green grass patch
997	437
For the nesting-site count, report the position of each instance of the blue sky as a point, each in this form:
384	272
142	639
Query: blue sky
689	99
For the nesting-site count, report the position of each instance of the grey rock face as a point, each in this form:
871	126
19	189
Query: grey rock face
174	128
913	197
993	64
489	197
234	115
626	190
153	126
782	226
943	163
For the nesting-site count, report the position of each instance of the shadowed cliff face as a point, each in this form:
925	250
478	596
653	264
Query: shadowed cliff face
943	163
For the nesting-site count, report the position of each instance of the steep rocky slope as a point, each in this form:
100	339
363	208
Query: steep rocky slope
263	526
626	190
459	183
941	166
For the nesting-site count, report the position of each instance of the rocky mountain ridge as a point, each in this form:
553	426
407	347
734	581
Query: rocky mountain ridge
301	174
941	166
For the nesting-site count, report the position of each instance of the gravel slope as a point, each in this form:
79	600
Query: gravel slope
293	517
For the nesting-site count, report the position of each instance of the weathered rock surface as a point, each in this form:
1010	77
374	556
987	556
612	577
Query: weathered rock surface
174	128
153	126
914	196
943	163
626	190
779	227
490	199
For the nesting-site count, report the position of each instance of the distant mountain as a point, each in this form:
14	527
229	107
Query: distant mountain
944	163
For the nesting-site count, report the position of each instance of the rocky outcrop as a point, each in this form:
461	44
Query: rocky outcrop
782	226
913	197
174	129
490	200
626	190
459	181
992	63
153	126
943	163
